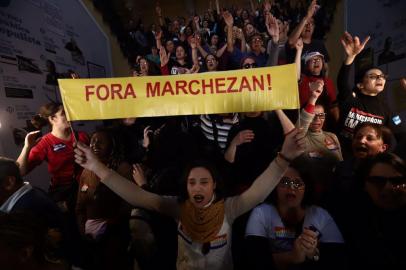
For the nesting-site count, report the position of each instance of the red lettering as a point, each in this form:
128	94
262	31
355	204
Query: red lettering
116	89
167	88
220	83
258	82
197	91
129	91
245	84
153	91
210	86
230	87
181	85
88	92
99	91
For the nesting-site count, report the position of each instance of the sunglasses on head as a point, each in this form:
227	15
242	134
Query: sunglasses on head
380	181
250	65
293	183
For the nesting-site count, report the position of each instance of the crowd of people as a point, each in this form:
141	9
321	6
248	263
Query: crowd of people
323	188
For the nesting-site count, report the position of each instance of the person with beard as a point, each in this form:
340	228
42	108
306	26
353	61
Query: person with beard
295	232
204	217
374	225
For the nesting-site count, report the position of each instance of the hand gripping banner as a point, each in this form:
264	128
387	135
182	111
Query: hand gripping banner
245	90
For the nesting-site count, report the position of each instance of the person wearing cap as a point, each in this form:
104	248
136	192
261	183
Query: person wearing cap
314	71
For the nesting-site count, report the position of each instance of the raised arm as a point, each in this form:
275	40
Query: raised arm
352	47
127	190
29	143
244	136
158	11
295	35
293	146
220	51
193	45
273	46
218	7
228	19
299	50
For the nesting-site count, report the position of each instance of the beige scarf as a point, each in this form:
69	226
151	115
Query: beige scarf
202	225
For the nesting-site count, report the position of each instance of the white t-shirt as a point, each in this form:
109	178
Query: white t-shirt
266	222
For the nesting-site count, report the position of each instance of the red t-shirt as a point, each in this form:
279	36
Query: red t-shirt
60	157
329	90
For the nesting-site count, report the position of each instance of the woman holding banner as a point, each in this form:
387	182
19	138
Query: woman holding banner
204	217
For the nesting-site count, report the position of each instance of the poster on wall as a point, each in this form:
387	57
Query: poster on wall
386	24
40	42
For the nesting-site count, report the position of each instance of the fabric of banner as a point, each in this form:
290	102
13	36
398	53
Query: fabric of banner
245	90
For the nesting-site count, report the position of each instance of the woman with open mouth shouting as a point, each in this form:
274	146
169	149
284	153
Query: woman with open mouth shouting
204	217
291	229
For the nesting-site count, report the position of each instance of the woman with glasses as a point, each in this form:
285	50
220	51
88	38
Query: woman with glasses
364	102
296	233
374	225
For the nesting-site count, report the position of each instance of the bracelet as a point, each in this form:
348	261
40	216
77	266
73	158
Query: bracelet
282	156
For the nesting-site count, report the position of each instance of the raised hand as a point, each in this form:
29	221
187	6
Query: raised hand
164	57
299	44
228	18
196	19
193	43
158	10
272	27
244	136
138	175
311	10
158	35
294	144
31	139
316	88
85	157
352	45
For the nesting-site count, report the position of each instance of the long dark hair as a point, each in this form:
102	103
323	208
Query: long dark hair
117	149
203	163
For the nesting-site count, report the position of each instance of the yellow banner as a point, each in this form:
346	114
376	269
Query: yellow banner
245	90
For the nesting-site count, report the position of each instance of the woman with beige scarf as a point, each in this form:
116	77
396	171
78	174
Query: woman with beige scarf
204	219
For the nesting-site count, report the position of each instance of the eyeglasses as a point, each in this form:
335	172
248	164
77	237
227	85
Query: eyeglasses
295	183
250	65
316	60
320	115
377	76
397	182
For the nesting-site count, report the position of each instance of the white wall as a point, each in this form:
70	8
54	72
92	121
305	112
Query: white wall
31	33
